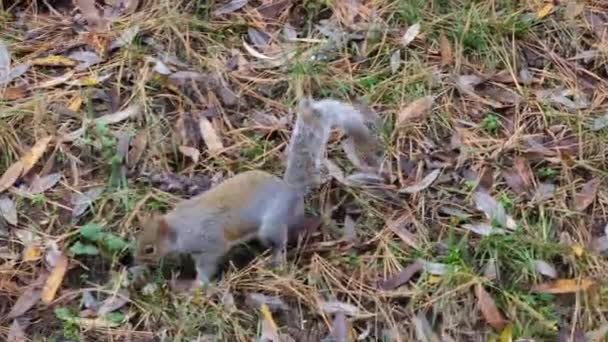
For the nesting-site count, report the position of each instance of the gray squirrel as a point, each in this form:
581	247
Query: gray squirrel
254	204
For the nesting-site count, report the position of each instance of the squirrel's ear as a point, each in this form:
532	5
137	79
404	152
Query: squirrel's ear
164	230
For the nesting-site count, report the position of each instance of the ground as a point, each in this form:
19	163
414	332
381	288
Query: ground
486	221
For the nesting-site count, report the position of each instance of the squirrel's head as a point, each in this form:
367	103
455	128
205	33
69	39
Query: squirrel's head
154	240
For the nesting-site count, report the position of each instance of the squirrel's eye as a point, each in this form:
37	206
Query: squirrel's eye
149	249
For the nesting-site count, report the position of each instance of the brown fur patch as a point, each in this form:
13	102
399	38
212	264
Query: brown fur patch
164	230
236	233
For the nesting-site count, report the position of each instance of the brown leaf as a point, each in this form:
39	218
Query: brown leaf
131	111
32	156
190	152
138	146
446	50
210	136
488	308
16	333
587	194
398	227
29	297
54	280
13	93
11	175
564	286
519	177
415	110
402	277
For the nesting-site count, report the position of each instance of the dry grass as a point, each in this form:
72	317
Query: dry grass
474	136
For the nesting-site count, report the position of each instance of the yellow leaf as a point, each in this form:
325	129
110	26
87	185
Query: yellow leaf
32	156
75	103
54	280
54	60
543	12
32	253
564	286
11	175
507	333
488	308
89	81
434	279
577	249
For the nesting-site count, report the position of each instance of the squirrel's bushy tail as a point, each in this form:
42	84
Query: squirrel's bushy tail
315	120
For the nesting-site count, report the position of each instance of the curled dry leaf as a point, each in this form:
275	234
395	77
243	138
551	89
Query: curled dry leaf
564	286
411	34
423	184
586	196
493	209
8	210
402	277
446	50
482	228
34	154
334	306
231	6
545	268
112	303
44	183
190	152
54	280
488	308
131	111
210	136
395	62
11	175
273	302
415	110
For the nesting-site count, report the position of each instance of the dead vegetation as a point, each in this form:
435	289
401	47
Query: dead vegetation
488	220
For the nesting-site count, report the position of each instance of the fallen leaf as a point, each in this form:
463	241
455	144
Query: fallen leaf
11	175
434	268
398	227
488	308
29	297
349	231
411	34
8	210
334	306
54	280
564	286
13	93
32	156
586	196
491	270
599	123
125	38
137	149
423	184
53	60
507	334
190	152
131	111
82	201
415	110
270	331
5	63
32	253
545	268
230	7
112	303
395	61
402	277
273	302
90	81
482	228
446	50
86	59
519	177
573	9
161	67
75	103
561	96
16	333
42	184
545	10
424	332
210	136
543	192
493	209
